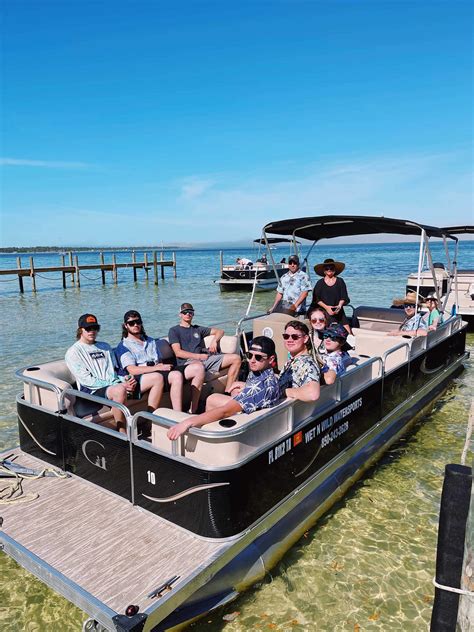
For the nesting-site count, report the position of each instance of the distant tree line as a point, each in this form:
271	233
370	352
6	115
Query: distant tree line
61	249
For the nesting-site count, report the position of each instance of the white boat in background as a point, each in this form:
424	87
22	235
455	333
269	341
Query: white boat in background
454	287
264	274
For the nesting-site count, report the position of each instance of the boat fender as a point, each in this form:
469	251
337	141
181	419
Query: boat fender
130	624
453	515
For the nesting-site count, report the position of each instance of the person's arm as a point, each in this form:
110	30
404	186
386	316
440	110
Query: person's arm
133	369
230	408
330	376
309	392
301	298
217	333
278	298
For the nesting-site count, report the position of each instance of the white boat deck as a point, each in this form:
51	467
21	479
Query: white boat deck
116	552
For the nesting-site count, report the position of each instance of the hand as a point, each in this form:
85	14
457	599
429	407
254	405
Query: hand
130	384
203	356
269	311
213	347
176	431
163	367
292	308
332	310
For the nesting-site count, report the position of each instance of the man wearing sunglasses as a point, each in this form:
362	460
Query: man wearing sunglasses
93	365
292	290
413	325
137	354
187	342
261	390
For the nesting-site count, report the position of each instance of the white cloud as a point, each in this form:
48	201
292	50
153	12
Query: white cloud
46	164
193	188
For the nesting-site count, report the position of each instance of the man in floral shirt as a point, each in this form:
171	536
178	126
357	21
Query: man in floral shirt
261	390
292	290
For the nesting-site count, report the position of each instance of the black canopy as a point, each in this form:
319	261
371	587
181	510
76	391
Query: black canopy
458	230
274	240
328	226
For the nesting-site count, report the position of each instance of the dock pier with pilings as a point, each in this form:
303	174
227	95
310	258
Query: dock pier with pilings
71	269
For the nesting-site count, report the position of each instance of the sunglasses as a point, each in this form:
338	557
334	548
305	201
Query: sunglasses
258	356
92	328
292	336
331	337
188	311
132	323
408	305
329	268
318	320
293	263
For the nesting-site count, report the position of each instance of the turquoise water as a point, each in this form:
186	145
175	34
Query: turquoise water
368	564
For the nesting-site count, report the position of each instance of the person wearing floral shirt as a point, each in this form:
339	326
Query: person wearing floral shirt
299	378
413	325
292	290
261	390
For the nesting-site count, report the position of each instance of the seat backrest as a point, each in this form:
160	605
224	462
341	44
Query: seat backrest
56	373
228	344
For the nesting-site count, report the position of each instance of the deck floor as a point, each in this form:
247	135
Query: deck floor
113	550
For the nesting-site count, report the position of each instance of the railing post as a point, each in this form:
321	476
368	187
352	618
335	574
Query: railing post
102	271
20	278
71	265
76	265
134	260
145	260
155	267
174	265
32	274
63	263
114	269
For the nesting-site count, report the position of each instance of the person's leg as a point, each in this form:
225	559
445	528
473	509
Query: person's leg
175	379
233	362
195	372
154	383
118	393
215	400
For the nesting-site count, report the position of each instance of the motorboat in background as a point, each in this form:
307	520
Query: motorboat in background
147	533
453	287
263	273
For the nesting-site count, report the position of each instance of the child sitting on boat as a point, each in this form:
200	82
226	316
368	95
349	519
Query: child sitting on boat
261	390
334	359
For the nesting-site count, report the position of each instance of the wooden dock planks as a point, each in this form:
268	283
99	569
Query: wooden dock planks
113	550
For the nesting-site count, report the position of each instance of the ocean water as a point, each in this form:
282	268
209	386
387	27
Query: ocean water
368	563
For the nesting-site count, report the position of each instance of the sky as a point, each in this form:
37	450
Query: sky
141	122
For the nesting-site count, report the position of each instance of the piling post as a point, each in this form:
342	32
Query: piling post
20	278
221	258
162	266
32	274
174	265
76	265
71	264
155	267
102	271
114	269
145	259
63	263
134	260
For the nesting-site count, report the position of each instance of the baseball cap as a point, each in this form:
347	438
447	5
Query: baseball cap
185	306
294	259
86	320
334	331
263	344
132	313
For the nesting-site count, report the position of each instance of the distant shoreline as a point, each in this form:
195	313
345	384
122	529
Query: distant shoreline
13	250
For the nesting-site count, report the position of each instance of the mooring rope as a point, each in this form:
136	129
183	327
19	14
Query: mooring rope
458	591
13	491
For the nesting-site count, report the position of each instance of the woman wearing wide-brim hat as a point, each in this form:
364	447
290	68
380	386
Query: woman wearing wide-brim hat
330	292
